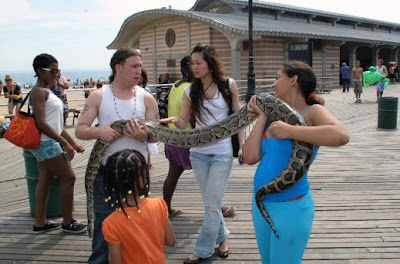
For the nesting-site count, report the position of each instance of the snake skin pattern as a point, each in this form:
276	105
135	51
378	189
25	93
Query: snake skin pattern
273	107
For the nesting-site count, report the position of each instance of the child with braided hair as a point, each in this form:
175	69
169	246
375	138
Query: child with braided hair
139	228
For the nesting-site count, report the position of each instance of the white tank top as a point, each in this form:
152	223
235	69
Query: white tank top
219	109
380	70
54	114
127	110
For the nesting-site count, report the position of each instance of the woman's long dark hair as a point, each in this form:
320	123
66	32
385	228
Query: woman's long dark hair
144	77
126	173
186	71
217	70
305	78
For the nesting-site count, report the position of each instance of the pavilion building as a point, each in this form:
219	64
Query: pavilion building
280	32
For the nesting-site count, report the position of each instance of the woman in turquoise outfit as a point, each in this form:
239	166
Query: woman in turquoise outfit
292	210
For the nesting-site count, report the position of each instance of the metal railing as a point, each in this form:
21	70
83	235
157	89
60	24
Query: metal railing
262	86
73	90
324	84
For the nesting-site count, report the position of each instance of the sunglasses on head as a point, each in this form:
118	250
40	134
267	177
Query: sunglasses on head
53	72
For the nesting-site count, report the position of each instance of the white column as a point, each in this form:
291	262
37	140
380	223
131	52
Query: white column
235	57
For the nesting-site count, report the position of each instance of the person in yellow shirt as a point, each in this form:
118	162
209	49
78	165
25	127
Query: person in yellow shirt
178	157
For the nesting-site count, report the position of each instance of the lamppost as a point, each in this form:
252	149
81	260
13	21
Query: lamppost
251	76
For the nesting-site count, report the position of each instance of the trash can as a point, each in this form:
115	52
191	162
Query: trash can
387	112
32	177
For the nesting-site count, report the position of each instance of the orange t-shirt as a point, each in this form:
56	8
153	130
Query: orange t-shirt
142	237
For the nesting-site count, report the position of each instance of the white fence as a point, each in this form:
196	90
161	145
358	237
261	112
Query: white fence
325	84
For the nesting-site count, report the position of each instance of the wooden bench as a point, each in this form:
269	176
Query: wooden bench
75	113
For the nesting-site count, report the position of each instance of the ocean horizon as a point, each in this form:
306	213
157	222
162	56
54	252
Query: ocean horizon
26	77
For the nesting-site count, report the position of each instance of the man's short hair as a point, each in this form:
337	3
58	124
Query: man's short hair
357	61
344	64
119	57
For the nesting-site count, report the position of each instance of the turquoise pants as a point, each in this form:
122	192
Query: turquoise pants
293	221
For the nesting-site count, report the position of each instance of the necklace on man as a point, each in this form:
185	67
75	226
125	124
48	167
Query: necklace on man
115	104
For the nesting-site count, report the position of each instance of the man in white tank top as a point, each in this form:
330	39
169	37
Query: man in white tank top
382	70
122	99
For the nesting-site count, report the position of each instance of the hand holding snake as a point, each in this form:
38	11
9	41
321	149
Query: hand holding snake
274	108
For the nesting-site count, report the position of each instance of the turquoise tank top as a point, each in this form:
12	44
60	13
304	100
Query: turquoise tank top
276	154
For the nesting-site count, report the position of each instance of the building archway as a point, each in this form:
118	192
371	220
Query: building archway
364	55
344	54
384	54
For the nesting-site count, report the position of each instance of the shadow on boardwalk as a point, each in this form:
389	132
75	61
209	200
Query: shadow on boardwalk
356	190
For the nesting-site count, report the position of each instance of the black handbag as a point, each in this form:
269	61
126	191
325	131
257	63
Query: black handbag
162	101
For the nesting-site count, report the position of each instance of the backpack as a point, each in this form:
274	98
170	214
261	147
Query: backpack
162	101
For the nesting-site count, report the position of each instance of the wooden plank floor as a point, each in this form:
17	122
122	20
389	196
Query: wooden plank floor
356	190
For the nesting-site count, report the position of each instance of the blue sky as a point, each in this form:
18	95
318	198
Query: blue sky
77	32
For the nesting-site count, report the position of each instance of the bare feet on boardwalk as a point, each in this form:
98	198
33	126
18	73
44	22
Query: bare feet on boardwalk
228	211
175	212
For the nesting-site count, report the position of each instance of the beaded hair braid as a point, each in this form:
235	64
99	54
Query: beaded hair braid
126	173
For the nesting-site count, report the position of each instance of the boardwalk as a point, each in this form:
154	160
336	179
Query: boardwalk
356	190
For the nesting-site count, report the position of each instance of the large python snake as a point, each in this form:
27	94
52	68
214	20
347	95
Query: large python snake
275	108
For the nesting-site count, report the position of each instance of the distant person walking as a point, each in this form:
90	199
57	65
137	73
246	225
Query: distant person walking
357	80
59	90
345	71
382	70
396	73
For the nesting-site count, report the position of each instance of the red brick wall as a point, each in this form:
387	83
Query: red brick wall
200	34
178	48
269	52
146	49
317	61
269	55
332	57
223	48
